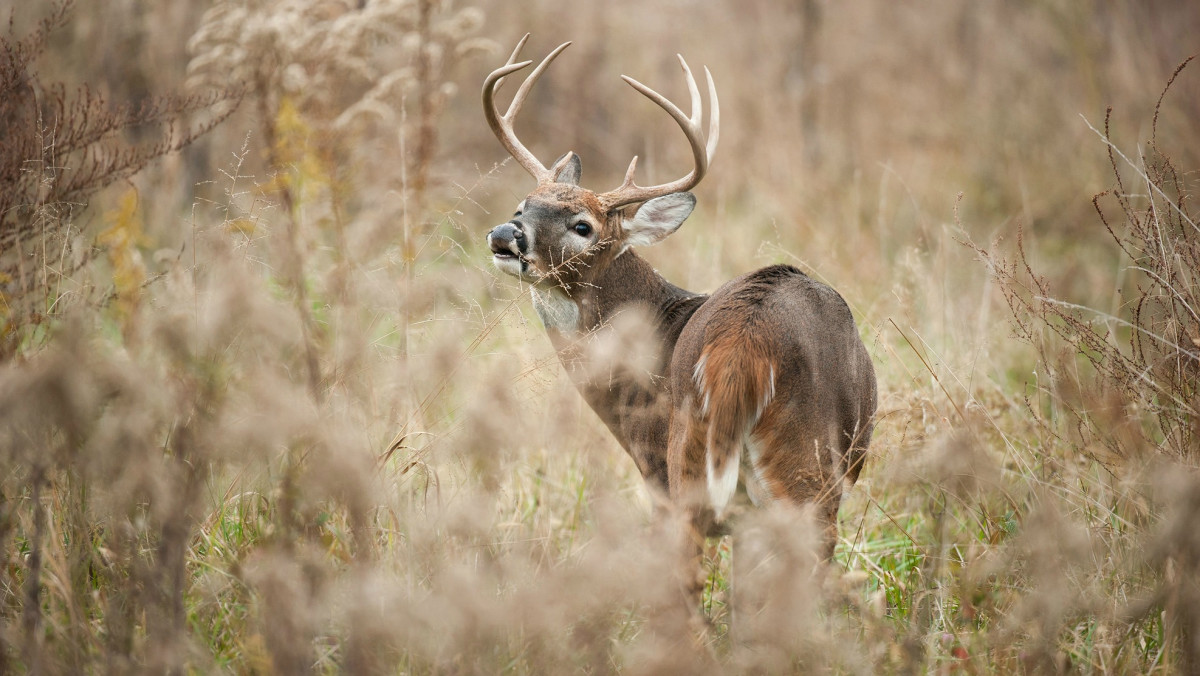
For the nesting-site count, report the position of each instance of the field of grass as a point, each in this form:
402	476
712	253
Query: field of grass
265	406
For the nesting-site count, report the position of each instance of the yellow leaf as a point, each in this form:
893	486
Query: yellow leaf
240	226
121	240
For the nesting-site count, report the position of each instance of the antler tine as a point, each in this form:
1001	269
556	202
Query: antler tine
523	90
628	182
714	117
702	153
688	124
517	50
693	91
502	125
495	80
512	61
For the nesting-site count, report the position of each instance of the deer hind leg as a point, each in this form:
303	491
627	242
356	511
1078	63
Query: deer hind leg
796	463
728	388
821	492
687	481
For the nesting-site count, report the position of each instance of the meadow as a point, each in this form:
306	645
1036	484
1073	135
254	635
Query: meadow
266	407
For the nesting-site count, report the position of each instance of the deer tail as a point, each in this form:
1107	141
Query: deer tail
735	380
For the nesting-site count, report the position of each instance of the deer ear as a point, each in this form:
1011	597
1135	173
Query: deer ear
658	218
567	169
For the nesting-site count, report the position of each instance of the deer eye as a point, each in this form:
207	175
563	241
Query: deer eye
582	229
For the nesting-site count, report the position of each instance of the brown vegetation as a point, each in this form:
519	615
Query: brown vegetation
61	145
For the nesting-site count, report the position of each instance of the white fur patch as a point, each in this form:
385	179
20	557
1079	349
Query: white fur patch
768	395
698	378
723	485
509	266
556	309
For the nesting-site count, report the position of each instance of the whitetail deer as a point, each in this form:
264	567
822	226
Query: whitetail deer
763	386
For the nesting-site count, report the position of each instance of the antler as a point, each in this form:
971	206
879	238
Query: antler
629	192
502	125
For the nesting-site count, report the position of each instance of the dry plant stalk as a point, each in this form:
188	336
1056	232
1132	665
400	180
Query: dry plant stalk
58	149
350	71
1137	412
1149	358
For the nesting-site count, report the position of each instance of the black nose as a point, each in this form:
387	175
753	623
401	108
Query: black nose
507	238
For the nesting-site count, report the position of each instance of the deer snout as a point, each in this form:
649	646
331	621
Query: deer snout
507	240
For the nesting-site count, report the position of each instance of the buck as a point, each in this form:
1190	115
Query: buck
761	390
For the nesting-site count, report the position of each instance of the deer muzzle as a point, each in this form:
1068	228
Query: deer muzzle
507	240
509	247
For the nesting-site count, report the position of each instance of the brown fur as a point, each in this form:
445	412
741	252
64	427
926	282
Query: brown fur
738	374
811	421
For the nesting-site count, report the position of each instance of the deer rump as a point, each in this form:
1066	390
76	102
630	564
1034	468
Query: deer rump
773	392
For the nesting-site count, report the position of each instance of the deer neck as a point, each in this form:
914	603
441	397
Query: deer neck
628	282
578	327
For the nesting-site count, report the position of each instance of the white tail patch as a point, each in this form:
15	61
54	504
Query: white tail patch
722	484
698	378
768	395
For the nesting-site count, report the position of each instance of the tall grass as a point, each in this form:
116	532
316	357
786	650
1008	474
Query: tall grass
305	428
61	146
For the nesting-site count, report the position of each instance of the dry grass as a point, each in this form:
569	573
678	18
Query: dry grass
306	428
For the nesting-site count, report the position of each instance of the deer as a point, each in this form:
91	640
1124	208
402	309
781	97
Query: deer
761	392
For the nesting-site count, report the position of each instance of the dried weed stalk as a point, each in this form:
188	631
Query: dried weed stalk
58	148
1135	414
1147	357
351	71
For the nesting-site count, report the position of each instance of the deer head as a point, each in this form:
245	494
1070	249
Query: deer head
562	234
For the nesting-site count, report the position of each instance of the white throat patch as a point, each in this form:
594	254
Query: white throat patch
556	309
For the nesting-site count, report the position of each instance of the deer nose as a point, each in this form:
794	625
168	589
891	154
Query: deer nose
507	238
